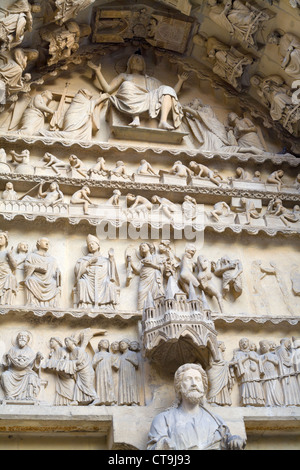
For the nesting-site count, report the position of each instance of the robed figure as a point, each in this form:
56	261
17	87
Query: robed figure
97	279
42	277
20	380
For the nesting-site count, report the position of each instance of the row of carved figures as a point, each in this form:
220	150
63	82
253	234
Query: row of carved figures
79	378
97	282
20	163
269	376
133	208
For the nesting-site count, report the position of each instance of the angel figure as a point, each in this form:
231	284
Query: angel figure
149	266
78	365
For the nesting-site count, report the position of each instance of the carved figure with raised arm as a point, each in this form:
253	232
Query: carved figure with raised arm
231	273
137	94
20	380
42	277
8	266
51	197
187	425
97	280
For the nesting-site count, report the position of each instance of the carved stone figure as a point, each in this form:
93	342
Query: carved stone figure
138	94
167	207
99	168
149	268
64	41
220	381
231	273
9	194
206	128
81	119
271	385
22	161
289	51
33	119
249	370
15	21
79	365
206	283
178	169
187	269
276	95
12	67
187	425
120	171
65	10
81	197
220	209
127	365
276	208
276	178
8	266
287	372
145	169
64	383
20	380
51	197
229	63
249	209
295	280
102	364
202	171
77	165
138	204
97	280
53	162
242	21
246	133
42	277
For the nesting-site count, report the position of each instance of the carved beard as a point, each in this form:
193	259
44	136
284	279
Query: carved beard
194	396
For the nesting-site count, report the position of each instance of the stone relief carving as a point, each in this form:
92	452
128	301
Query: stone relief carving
96	278
42	277
276	95
220	380
231	273
65	10
206	282
8	265
242	21
268	377
187	425
229	63
127	366
137	94
15	21
289	51
20	380
63	41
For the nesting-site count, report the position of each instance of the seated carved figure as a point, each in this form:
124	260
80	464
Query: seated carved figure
187	425
20	380
137	93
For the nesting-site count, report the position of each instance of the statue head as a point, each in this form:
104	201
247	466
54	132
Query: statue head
3	239
43	244
93	243
23	339
190	383
136	63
